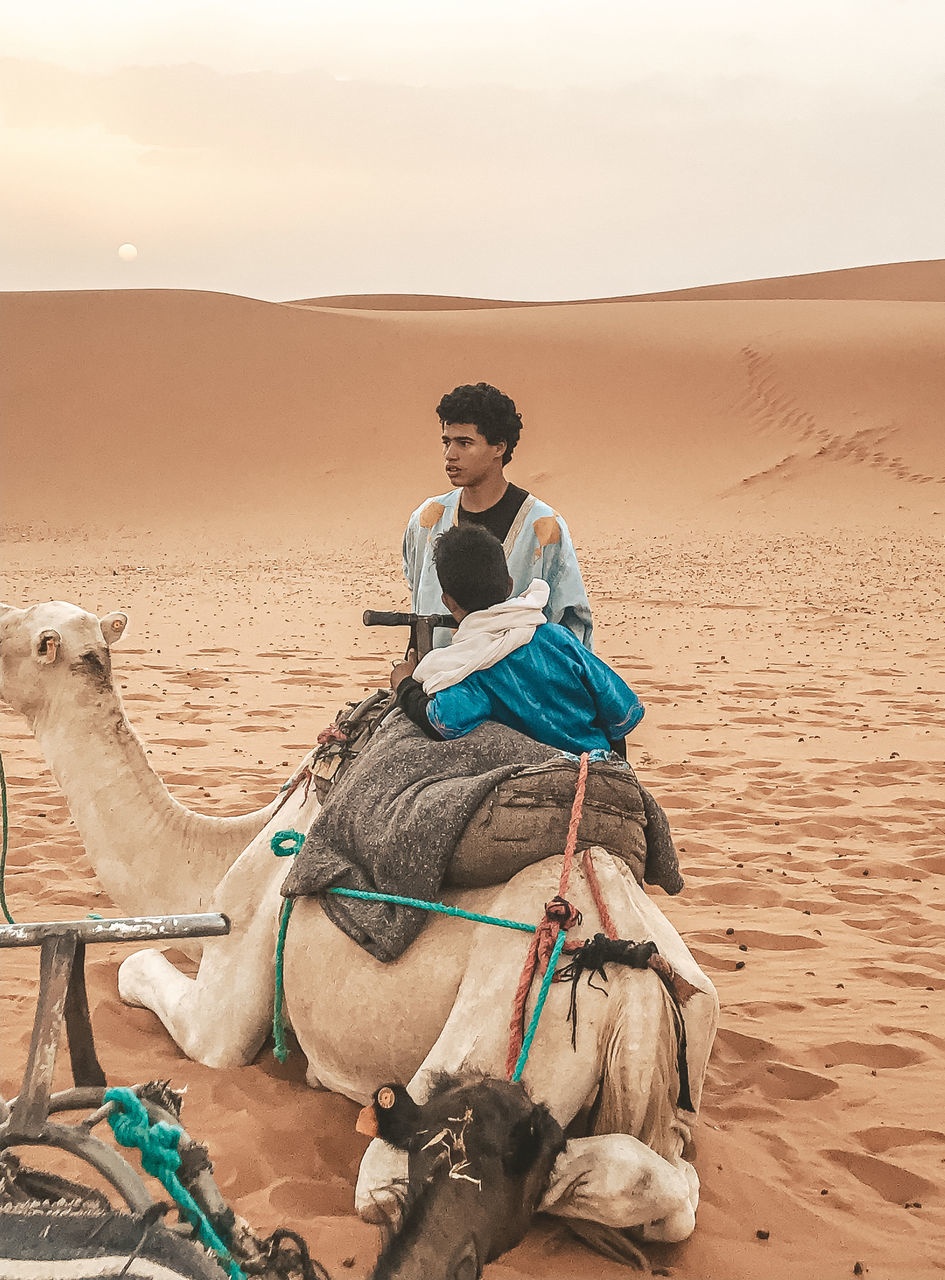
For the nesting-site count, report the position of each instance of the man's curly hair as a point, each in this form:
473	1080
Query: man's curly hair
486	408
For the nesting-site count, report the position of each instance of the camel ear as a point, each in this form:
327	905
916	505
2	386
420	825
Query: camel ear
113	627
46	648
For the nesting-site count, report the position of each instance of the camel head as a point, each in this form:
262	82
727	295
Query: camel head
47	646
480	1158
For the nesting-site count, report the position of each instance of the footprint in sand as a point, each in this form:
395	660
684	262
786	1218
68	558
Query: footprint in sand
930	862
781	1081
879	1141
877	1056
303	1198
758	940
735	1046
893	1182
900	977
732	894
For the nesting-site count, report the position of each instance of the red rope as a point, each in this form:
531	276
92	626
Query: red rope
304	775
590	873
575	822
559	914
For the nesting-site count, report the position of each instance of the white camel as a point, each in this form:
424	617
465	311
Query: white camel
443	1006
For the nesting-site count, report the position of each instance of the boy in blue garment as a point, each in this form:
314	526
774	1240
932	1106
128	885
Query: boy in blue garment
508	663
480	428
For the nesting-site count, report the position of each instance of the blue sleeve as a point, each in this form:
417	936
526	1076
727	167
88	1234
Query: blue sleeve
618	708
458	710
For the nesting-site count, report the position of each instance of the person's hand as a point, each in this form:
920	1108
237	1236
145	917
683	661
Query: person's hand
401	670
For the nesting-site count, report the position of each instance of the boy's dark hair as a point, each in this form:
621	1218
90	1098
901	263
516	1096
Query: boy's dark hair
486	408
471	567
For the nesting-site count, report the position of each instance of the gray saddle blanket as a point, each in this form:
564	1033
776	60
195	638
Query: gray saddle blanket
391	824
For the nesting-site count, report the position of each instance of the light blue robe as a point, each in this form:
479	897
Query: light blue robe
538	545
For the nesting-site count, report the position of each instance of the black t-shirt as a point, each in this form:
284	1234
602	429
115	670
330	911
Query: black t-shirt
497	519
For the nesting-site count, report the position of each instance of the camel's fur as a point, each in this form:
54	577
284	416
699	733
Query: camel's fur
443	1006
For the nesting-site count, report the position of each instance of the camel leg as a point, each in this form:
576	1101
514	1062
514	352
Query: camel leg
221	1017
617	1180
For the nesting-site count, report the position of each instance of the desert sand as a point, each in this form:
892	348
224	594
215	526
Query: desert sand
756	485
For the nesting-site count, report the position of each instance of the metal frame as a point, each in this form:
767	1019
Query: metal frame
63	999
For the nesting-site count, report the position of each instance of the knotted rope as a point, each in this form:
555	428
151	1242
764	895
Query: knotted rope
158	1145
547	944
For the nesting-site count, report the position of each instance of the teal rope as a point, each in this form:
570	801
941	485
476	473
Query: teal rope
158	1144
441	907
284	844
539	1005
281	1049
3	850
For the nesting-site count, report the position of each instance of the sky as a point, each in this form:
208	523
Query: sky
530	149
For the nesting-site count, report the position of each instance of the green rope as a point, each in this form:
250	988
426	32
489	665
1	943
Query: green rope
281	1049
3	849
158	1145
539	1005
441	907
286	844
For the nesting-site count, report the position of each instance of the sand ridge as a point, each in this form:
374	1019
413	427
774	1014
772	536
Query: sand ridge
767	570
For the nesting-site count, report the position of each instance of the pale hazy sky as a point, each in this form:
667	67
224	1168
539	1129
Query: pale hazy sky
526	149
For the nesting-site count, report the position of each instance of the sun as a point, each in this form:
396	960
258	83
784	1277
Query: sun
127	252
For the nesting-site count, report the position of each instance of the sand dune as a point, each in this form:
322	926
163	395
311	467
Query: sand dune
192	401
757	489
885	282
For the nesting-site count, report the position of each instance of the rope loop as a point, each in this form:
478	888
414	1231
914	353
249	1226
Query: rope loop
286	844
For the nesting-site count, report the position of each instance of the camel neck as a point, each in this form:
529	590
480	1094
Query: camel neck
150	854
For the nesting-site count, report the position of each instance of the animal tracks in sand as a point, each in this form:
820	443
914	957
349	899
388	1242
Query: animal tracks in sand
781	1081
880	1056
893	1182
880	1140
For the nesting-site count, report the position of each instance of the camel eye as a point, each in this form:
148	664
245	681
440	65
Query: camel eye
93	664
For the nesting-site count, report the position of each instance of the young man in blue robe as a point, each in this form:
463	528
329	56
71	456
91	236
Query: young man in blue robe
507	663
481	428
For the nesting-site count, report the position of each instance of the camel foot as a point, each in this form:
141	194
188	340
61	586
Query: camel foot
615	1180
137	974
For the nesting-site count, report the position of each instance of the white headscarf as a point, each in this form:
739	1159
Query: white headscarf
484	638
